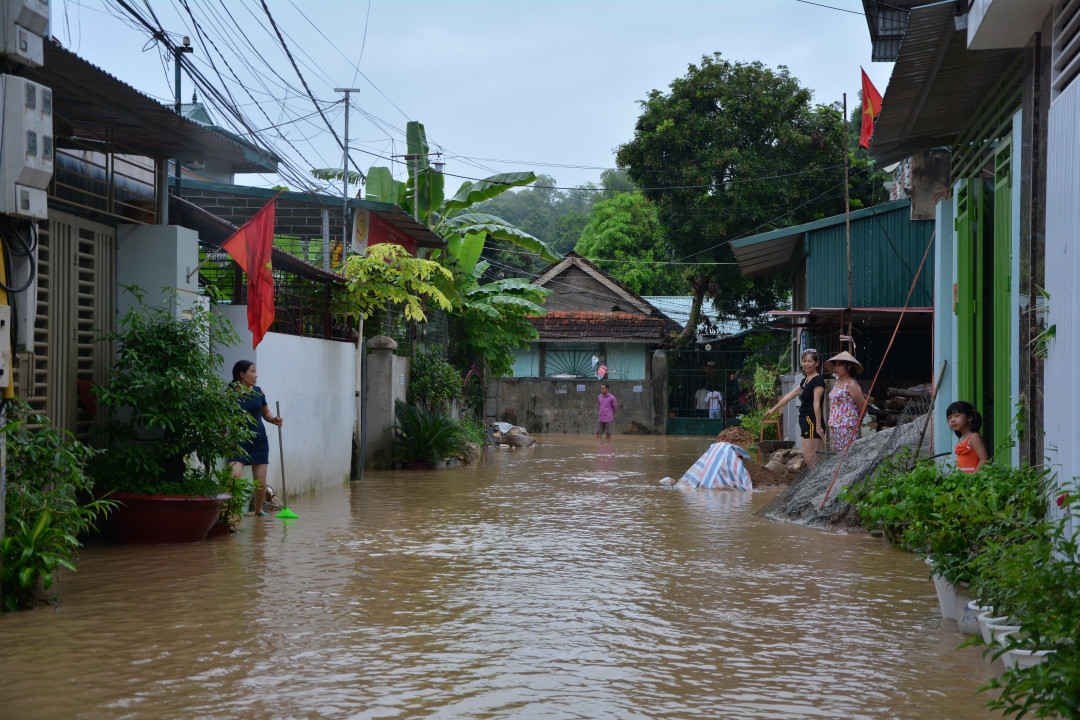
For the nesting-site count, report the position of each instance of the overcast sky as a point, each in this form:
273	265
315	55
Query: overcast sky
500	85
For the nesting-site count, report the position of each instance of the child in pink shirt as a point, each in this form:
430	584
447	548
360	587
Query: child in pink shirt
607	405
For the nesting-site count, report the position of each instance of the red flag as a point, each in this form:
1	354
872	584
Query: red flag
871	107
250	247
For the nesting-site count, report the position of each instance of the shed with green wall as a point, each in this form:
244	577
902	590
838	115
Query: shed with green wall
886	250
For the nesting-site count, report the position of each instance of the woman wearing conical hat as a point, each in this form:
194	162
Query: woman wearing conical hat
846	400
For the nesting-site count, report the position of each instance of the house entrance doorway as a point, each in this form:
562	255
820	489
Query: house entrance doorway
692	374
75	309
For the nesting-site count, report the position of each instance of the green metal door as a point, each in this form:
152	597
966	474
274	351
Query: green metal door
968	335
1002	367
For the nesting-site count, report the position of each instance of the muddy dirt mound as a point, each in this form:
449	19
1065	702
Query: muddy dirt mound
737	436
802	500
762	476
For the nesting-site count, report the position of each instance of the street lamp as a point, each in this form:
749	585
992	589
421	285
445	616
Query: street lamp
179	50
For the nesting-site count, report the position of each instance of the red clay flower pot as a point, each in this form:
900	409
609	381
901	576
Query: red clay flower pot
148	519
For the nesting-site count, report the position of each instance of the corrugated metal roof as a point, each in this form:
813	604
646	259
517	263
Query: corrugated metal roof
677	307
886	249
936	86
93	110
771	251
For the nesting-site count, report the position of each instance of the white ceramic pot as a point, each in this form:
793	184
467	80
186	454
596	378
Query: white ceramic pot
952	599
1022	659
946	596
987	620
1001	633
969	619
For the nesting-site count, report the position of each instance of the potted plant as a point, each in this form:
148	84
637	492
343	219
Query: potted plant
172	422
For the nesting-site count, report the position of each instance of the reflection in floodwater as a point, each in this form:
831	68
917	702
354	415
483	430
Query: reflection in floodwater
560	581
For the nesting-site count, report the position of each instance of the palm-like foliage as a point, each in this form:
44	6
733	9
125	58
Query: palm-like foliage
424	436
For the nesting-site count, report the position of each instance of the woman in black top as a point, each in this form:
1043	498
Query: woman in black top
811	391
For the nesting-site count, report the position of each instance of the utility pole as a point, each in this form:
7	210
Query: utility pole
415	160
177	52
360	431
345	174
847	217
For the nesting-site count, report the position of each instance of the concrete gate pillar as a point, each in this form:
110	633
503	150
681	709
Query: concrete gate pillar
387	381
659	383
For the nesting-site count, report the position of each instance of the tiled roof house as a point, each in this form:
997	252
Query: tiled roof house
592	320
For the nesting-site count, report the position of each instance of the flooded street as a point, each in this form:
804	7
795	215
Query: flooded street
557	582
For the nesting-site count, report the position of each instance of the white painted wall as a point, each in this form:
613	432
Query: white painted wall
161	260
314	380
1014	276
945	349
1062	390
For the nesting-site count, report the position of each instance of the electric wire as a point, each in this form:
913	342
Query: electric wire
355	65
831	7
207	40
288	53
209	88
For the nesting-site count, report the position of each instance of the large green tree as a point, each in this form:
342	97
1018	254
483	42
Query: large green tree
625	238
732	149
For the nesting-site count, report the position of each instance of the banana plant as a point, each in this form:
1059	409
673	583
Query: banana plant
465	232
494	318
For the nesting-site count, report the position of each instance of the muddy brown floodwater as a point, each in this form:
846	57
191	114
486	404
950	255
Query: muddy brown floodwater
557	582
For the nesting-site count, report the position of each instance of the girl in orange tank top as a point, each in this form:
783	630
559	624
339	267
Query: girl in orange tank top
965	421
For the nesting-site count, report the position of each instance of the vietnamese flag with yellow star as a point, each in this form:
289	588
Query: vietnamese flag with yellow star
250	247
871	107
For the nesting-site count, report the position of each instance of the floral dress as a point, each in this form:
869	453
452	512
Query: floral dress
843	418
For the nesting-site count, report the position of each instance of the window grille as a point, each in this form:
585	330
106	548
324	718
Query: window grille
576	363
1066	64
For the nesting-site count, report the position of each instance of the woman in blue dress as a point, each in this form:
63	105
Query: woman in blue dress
256	451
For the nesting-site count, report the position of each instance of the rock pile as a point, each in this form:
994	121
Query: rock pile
802	500
514	436
788	463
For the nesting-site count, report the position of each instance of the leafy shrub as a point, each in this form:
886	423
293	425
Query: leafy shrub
425	437
751	422
1034	577
239	490
168	403
46	506
764	386
950	517
991	528
433	382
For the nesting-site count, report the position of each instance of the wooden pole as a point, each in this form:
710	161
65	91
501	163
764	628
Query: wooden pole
930	410
281	455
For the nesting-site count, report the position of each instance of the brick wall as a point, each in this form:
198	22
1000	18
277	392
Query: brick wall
292	217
